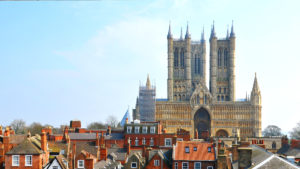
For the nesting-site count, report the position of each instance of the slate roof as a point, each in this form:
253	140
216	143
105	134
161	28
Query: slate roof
114	136
120	153
17	139
28	146
293	152
82	136
87	146
106	164
201	154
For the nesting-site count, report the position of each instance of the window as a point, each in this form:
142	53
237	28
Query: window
55	167
136	141
195	148
133	165
156	162
151	142
220	58
144	141
176	165
197	165
185	165
168	142
179	139
62	152
80	163
152	130
136	129
209	149
224	90
210	167
144	129
28	160
182	58
220	90
187	149
225	57
129	128
15	160
176	57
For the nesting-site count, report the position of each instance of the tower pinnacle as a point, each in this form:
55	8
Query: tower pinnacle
148	84
213	32
227	36
232	34
187	34
169	32
202	35
255	85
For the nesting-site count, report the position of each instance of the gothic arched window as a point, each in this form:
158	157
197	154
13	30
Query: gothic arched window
182	57
225	57
176	57
220	57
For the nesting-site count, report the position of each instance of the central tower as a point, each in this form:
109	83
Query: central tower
186	65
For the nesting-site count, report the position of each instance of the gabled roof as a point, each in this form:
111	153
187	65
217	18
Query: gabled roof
90	147
199	154
107	164
60	160
28	146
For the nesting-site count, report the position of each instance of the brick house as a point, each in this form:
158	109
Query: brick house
194	155
159	159
31	152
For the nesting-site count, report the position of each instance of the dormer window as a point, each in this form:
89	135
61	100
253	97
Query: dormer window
152	130
195	148
137	130
144	129
151	142
187	149
136	141
80	163
129	129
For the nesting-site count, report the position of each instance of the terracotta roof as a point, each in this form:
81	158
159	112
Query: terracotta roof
199	154
28	146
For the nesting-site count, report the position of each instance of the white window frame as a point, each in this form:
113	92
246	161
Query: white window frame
136	141
210	167
151	142
134	163
179	139
170	142
26	160
144	131
129	129
78	166
187	165
176	165
136	130
152	130
187	149
144	141
13	161
197	163
156	162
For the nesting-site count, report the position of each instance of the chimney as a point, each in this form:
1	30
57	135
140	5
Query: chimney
6	143
147	154
109	130
89	163
284	141
97	139
44	142
196	134
126	121
222	162
245	157
6	132
1	130
235	155
103	153
129	146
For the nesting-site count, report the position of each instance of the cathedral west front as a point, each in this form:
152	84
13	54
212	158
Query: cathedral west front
206	111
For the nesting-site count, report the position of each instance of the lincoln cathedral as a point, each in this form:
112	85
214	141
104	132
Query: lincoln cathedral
191	105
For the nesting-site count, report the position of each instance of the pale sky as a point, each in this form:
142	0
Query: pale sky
86	59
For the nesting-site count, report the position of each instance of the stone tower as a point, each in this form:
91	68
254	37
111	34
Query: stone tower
256	102
222	66
186	65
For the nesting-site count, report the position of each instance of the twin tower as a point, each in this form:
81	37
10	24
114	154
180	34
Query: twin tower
187	66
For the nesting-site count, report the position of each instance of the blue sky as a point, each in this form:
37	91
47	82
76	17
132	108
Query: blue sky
86	59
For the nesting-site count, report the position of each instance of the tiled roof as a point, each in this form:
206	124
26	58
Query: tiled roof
107	164
114	136
87	146
200	154
293	152
17	139
120	153
82	136
57	147
28	146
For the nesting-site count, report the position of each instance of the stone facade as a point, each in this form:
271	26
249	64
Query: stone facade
194	106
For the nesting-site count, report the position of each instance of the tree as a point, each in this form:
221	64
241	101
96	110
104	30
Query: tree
295	133
112	121
35	128
272	130
19	126
96	125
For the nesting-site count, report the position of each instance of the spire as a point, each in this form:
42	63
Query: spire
181	34
187	34
213	33
169	32
202	35
232	34
227	36
148	84
255	85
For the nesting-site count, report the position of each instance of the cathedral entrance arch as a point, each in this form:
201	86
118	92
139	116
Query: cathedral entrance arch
202	122
222	133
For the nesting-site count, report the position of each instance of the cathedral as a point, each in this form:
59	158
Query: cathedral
204	111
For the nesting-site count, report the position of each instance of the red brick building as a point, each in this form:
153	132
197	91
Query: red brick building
194	155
